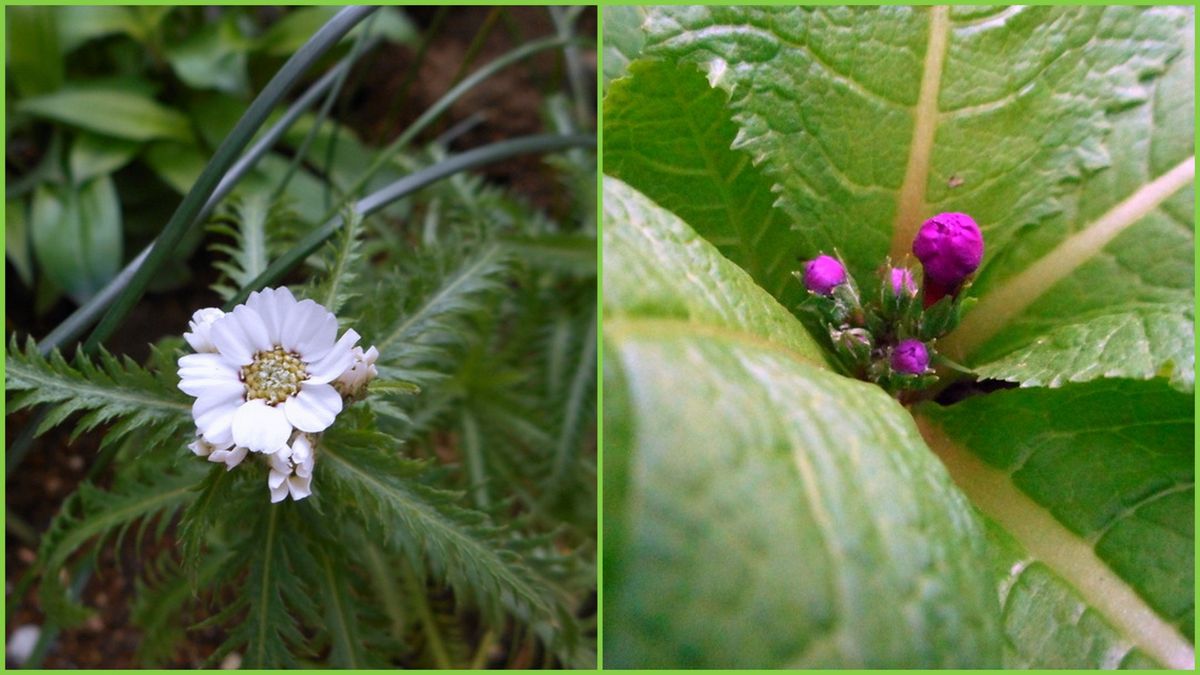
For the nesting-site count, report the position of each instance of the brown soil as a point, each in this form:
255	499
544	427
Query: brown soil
510	105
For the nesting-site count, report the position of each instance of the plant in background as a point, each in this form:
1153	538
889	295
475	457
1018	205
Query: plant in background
436	454
766	508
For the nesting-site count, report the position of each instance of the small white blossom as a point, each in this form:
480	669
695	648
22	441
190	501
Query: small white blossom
201	327
269	374
227	454
353	382
291	470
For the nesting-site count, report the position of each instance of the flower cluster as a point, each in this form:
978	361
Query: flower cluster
888	336
268	378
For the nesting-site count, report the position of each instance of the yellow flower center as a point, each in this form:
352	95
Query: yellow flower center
273	376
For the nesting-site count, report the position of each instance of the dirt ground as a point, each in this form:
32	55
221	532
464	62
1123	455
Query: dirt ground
510	104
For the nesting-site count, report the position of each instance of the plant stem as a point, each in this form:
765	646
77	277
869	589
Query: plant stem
222	160
402	188
420	596
81	318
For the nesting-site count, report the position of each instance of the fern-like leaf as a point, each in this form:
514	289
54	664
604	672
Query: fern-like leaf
113	389
479	561
439	296
339	264
249	220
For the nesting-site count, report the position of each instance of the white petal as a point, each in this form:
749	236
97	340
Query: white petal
337	361
200	327
214	417
231	458
300	487
275	479
253	327
309	330
231	340
199	372
273	305
314	408
200	448
217	385
278	493
260	427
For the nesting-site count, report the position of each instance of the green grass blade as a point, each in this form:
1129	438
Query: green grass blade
222	160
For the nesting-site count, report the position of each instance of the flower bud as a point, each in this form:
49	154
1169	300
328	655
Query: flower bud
200	326
950	247
823	273
902	282
911	357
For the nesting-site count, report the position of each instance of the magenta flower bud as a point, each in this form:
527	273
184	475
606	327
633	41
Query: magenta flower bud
950	246
910	356
823	273
902	282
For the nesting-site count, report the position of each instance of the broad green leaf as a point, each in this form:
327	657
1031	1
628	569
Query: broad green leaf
668	134
178	164
34	60
1047	624
81	23
623	39
213	58
119	112
1035	120
1097	481
16	239
759	510
93	155
76	235
287	35
657	267
1117	298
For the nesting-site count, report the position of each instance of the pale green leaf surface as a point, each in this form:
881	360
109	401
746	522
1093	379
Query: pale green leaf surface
1128	311
1112	461
1047	624
16	239
760	510
668	133
767	513
213	58
82	23
623	39
1035	120
76	235
118	112
656	266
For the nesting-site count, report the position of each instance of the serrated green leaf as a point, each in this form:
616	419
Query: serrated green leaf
112	111
76	234
868	120
651	259
761	511
1110	306
1096	480
667	133
623	39
1046	622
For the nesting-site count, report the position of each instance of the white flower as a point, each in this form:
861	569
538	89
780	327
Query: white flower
353	382
291	470
269	374
201	325
227	454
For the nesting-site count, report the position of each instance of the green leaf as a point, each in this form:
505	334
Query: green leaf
287	34
668	134
76	235
1114	298
178	164
655	266
1046	622
35	61
1097	481
92	155
868	120
82	23
213	57
16	239
623	39
116	392
761	511
112	111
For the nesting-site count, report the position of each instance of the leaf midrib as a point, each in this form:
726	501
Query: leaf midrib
17	370
1070	556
